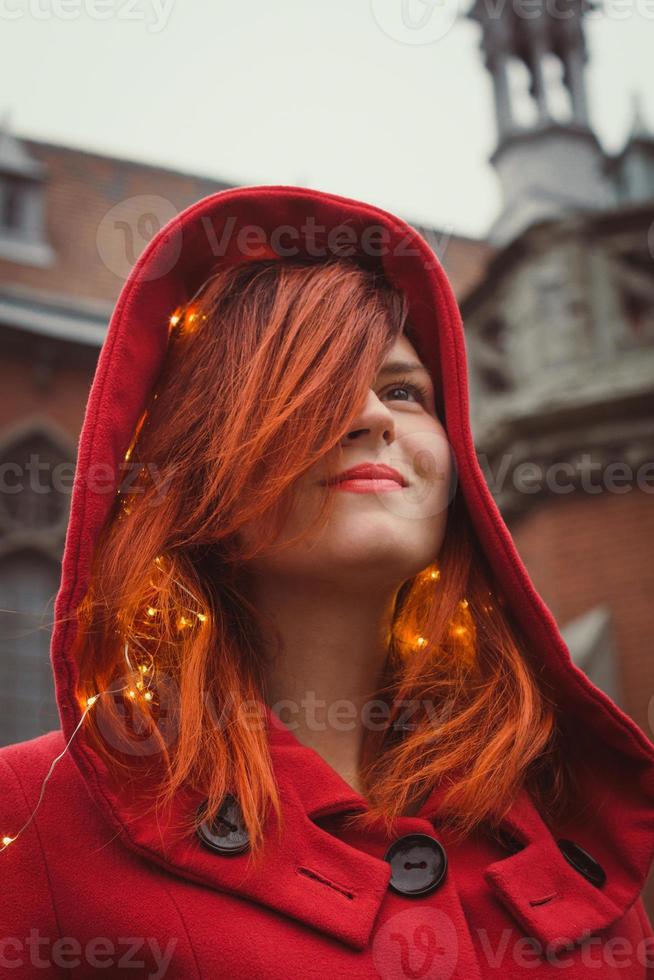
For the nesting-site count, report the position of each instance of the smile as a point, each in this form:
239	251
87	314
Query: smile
368	478
367	485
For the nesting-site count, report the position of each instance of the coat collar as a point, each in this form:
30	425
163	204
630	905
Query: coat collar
320	880
306	873
550	899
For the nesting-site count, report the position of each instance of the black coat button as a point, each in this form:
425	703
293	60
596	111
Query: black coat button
582	861
418	864
228	833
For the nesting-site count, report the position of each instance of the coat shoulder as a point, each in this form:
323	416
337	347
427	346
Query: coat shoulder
26	896
31	756
23	768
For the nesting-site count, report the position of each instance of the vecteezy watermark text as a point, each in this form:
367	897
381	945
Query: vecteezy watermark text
420	22
99	952
153	13
424	942
585	474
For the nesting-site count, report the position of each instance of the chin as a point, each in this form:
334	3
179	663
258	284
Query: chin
393	556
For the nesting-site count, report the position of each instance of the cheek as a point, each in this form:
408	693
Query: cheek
295	522
430	462
431	457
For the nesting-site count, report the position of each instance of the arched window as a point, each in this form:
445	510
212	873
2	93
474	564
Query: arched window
34	504
35	493
28	586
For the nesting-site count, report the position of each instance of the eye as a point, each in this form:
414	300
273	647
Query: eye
420	392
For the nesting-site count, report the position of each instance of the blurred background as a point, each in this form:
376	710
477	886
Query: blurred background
516	135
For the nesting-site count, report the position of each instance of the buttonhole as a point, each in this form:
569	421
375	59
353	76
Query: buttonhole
326	881
544	900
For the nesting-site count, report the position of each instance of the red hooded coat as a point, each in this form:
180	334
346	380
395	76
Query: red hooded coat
86	889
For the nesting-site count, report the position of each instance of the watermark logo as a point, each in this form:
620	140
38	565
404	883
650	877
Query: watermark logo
416	21
128	227
129	730
425	460
418	942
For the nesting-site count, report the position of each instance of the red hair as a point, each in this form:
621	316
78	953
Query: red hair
263	372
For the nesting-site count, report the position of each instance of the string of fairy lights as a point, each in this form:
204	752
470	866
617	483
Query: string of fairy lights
144	688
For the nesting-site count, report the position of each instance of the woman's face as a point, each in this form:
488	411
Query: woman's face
379	532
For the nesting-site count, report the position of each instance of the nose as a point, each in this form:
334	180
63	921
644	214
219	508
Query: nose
374	419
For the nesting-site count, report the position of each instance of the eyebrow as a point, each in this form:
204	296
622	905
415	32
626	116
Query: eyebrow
395	367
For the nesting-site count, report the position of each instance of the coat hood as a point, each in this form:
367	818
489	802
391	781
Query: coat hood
617	774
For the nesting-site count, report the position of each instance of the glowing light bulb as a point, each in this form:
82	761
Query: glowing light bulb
152	611
435	573
148	696
202	617
421	641
174	320
91	700
8	840
464	603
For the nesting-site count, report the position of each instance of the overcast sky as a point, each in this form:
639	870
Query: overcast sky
341	95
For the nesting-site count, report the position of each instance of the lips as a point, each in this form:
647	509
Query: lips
369	471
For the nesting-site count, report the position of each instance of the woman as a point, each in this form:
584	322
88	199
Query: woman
316	722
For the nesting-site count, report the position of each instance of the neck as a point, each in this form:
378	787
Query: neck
329	666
